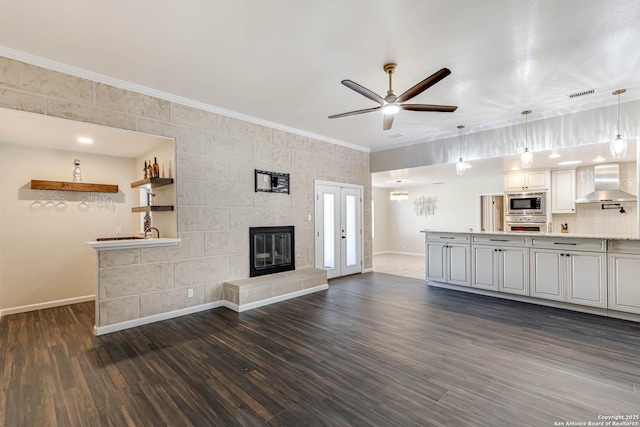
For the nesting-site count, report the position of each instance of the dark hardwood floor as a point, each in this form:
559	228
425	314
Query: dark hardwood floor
373	350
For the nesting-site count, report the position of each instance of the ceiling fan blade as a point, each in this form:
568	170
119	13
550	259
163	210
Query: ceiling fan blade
387	121
353	113
424	85
429	107
363	91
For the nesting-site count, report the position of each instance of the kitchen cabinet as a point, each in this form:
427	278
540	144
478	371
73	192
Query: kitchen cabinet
624	274
563	191
526	181
500	264
574	276
447	259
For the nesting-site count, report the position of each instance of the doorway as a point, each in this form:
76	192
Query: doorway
491	212
339	218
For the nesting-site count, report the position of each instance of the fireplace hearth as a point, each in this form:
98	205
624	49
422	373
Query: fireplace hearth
271	250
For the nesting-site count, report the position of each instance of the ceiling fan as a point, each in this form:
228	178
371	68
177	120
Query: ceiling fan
391	103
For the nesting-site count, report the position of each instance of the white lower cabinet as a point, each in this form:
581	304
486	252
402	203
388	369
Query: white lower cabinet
572	276
501	269
447	263
624	282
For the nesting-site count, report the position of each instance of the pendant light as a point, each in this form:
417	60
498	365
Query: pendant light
526	158
460	166
398	195
618	146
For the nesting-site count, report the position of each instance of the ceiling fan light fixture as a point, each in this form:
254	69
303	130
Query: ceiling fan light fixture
390	108
618	147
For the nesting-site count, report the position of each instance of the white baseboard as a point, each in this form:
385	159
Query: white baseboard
101	330
43	305
368	270
273	300
398	253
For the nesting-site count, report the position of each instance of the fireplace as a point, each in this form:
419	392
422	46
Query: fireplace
271	250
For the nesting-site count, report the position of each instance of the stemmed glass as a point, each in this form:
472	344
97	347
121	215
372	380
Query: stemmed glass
83	206
37	204
50	204
61	206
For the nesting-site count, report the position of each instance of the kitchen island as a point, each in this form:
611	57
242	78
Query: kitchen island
595	274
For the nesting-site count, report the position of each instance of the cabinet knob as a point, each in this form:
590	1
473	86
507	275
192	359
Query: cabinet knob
561	254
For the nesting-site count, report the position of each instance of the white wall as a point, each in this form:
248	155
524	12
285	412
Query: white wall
381	215
456	210
44	254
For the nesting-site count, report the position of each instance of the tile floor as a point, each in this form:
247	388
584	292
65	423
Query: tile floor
399	265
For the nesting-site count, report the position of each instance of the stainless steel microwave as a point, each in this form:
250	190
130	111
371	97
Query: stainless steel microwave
526	203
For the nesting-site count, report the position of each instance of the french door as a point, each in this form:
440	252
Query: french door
338	210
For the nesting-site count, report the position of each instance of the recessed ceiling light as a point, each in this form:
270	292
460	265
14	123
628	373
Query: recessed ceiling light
554	155
85	140
570	162
599	159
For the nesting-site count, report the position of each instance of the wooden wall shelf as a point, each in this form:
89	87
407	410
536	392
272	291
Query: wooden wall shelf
152	209
73	186
152	182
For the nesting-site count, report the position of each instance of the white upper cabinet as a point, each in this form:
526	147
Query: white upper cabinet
563	191
526	181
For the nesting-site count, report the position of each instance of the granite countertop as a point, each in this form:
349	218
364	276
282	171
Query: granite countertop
533	234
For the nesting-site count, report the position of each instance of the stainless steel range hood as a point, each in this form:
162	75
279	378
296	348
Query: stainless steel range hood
607	183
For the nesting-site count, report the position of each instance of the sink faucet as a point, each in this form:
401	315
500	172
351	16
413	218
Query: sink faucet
147	226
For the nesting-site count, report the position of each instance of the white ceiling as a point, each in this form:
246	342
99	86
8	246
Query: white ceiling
282	62
36	130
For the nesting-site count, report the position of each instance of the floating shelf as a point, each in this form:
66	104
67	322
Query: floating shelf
152	183
73	186
152	209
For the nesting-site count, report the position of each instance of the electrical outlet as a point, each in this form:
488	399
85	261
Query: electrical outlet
309	217
118	231
190	293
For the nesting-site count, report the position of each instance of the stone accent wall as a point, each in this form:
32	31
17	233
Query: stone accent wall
216	202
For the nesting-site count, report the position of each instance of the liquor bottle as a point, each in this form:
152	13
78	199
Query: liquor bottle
149	169
146	172
156	168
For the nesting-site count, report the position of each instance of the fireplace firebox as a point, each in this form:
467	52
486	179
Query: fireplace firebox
271	250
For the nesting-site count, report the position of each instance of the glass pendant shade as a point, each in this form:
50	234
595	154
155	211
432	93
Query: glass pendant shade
526	158
618	147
